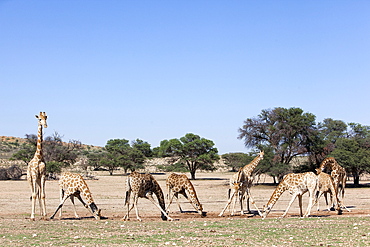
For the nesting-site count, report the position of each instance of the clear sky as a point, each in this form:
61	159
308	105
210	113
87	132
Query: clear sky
157	70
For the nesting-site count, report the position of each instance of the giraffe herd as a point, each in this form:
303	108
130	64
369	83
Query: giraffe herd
140	185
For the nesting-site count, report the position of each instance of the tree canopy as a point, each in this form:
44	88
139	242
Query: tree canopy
291	132
353	152
121	154
57	154
192	151
288	131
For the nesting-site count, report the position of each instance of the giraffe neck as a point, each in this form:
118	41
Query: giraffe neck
329	163
86	193
193	195
276	195
159	194
38	153
248	169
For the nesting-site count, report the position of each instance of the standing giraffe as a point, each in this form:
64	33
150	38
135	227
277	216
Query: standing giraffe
297	184
326	186
338	174
144	185
240	183
36	170
236	184
73	185
180	184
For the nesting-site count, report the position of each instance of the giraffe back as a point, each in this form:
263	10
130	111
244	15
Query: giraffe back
142	184
72	183
180	183
296	184
325	182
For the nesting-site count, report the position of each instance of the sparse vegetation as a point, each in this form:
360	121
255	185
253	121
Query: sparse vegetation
351	231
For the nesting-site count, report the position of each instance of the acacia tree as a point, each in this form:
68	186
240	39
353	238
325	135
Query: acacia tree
192	151
289	132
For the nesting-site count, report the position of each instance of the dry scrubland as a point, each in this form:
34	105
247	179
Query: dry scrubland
323	228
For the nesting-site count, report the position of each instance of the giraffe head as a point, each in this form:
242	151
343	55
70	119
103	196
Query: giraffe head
42	119
96	212
200	208
266	211
261	154
236	185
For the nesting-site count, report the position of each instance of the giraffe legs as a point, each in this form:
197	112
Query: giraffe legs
234	203
342	195
129	208
135	199
290	204
38	192
42	196
33	196
312	200
60	205
150	198
300	205
74	206
61	195
249	197
177	201
228	202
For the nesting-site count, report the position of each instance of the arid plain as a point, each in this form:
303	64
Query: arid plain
108	193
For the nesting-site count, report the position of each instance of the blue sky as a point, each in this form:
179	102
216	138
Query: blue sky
157	70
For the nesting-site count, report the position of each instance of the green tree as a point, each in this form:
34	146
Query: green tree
143	146
25	153
289	132
193	151
236	160
94	158
353	152
121	154
329	131
60	153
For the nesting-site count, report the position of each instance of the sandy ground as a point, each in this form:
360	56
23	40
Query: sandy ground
108	193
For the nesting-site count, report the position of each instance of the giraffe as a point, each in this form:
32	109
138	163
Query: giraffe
144	185
240	183
236	184
297	184
326	186
73	185
180	184
36	170
338	174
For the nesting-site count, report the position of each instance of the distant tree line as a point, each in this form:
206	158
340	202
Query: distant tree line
283	134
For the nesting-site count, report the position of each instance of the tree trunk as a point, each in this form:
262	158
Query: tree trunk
192	174
356	178
274	179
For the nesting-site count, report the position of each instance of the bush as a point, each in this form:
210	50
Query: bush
13	172
177	167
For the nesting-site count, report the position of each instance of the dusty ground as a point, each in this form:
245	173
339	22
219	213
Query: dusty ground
212	188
